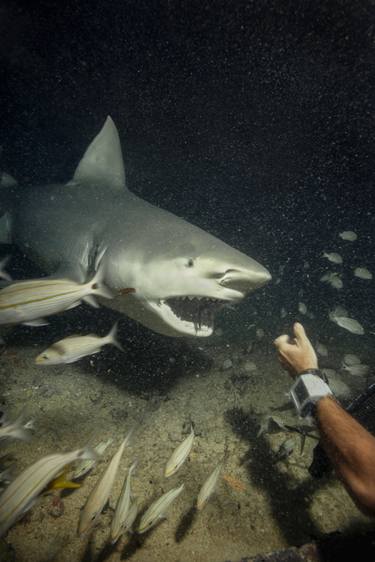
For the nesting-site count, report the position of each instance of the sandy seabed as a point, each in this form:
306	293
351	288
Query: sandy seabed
159	389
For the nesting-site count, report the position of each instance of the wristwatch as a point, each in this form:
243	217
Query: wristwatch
307	390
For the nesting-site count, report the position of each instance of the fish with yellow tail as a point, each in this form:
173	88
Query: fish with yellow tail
74	348
180	454
157	510
29	302
100	493
22	492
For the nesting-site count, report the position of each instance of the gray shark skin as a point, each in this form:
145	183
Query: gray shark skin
182	274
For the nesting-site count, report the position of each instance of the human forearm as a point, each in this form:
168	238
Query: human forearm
351	449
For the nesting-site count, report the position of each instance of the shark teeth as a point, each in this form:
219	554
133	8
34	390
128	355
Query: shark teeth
195	310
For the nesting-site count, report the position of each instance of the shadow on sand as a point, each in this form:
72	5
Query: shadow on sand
289	503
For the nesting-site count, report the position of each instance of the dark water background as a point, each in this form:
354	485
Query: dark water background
254	120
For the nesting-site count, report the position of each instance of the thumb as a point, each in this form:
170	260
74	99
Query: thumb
300	334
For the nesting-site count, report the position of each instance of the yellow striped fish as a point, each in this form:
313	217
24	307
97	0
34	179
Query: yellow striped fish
157	510
28	302
21	494
208	487
179	455
101	491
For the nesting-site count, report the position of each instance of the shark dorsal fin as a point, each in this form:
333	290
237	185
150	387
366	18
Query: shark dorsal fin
102	162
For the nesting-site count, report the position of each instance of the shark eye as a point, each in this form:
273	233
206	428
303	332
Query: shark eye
190	262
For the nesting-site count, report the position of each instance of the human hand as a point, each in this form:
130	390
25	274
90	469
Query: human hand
297	354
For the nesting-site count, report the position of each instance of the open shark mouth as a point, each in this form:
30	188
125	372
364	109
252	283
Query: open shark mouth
192	315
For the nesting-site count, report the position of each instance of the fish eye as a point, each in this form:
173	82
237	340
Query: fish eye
190	262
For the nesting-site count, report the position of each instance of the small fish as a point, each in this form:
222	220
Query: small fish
360	370
179	455
302	308
363	273
131	517
122	507
208	487
348	235
269	421
283	313
259	333
157	510
333	257
347	323
16	429
100	493
333	279
285	450
73	348
3	274
28	302
6	180
350	359
322	349
83	467
22	492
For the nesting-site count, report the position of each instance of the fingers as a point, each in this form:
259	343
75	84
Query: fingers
281	341
300	334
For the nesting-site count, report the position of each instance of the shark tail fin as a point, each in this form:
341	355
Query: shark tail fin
111	338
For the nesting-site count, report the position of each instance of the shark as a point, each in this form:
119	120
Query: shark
182	274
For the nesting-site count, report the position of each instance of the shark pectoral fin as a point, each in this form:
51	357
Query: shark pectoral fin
37	322
102	162
89	299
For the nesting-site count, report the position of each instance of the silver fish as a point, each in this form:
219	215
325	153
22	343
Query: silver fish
302	308
334	279
131	516
347	323
20	495
100	494
208	487
333	257
351	359
363	273
122	507
179	455
16	430
28	302
348	235
3	274
83	467
322	349
359	370
73	348
157	509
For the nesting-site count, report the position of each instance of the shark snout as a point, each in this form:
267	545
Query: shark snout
245	280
